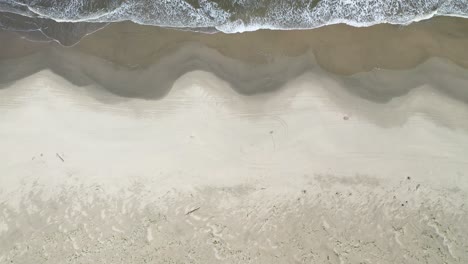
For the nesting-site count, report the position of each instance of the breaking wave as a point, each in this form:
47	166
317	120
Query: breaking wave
229	16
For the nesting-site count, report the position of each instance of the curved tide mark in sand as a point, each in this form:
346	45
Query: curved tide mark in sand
384	97
202	113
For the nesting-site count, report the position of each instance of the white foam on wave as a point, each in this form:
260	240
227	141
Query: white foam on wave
281	16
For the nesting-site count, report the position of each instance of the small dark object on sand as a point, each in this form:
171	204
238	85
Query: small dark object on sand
193	210
60	157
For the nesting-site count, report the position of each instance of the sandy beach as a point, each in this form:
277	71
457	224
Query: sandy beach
142	144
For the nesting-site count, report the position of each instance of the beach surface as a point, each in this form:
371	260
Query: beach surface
148	145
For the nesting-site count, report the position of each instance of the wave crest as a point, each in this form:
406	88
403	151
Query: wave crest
232	16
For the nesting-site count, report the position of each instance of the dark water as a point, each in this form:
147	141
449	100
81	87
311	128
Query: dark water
62	20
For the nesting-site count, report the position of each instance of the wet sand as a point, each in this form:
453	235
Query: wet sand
140	144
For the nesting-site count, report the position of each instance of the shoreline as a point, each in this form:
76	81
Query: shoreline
339	49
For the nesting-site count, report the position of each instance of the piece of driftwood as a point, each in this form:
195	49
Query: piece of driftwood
60	157
193	210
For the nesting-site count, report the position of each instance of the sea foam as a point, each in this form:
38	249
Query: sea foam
232	16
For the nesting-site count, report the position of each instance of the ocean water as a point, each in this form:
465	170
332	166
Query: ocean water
60	19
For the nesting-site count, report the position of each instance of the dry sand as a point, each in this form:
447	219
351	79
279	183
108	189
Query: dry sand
186	148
